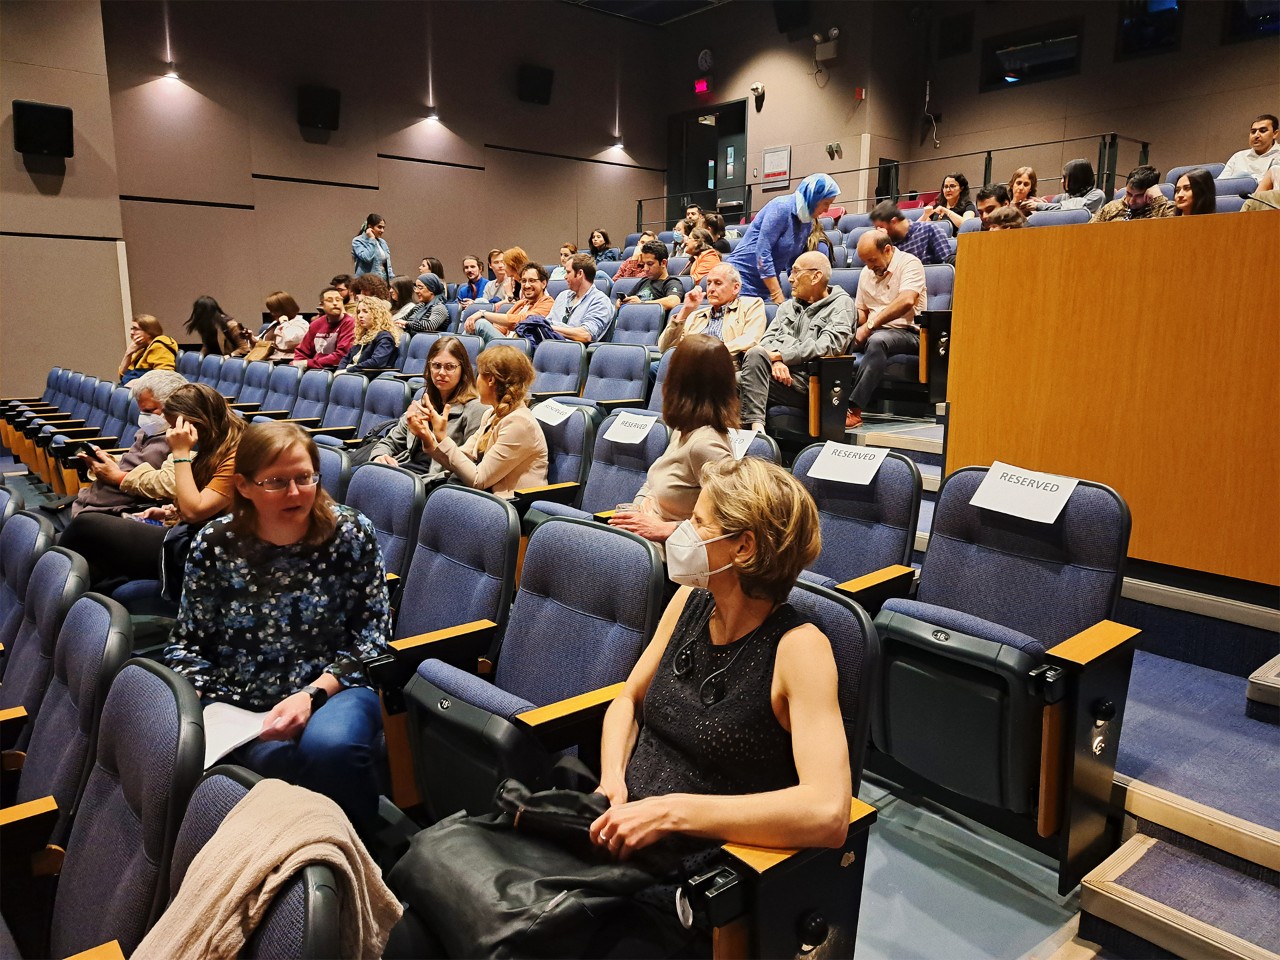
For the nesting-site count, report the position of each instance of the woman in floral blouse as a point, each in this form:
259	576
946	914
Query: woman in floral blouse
283	600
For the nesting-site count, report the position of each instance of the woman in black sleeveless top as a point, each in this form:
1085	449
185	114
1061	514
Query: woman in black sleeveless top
729	726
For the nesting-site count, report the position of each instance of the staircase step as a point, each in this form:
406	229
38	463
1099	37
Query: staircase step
926	438
1181	902
931	476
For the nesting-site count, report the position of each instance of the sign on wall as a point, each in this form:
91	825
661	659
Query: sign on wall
776	162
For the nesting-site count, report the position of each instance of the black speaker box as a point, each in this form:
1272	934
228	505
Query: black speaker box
533	84
318	107
43	129
791	15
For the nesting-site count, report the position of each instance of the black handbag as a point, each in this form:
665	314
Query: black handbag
527	881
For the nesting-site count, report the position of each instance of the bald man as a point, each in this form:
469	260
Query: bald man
816	322
891	294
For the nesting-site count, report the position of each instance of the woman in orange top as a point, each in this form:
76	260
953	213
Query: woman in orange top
702	255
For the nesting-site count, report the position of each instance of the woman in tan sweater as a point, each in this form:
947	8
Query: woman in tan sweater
508	451
700	405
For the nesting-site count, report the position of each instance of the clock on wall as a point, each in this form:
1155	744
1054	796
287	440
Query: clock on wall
704	60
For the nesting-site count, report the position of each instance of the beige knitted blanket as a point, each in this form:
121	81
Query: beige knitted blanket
275	831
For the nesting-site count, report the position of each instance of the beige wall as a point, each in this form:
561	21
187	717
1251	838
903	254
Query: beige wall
1193	105
58	59
233	115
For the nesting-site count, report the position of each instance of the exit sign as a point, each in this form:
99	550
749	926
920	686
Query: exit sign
702	85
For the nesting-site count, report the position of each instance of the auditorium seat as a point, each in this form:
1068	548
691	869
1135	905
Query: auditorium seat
851	221
255	385
335	471
302	920
589	600
676	265
1176	172
230	377
639	323
847	279
603	280
765	447
467	313
865	527
210	367
10	503
560	368
342	413
385	399
189	364
113	881
94	641
556	287
1009	635
609	268
617	376
310	401
624	287
569	446
973	225
282	391
415	357
616	473
1228	204
57	580
25	538
391	498
1058	218
664	364
940	281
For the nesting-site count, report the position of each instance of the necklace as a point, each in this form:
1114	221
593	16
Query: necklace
712	689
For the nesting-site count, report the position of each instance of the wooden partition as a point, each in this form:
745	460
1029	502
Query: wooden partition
1142	355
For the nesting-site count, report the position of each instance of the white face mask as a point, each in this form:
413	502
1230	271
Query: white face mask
152	424
687	561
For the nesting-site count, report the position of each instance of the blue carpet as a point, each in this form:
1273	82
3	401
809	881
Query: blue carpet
1244	906
1185	731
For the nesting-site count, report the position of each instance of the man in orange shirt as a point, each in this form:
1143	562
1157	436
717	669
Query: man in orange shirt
533	301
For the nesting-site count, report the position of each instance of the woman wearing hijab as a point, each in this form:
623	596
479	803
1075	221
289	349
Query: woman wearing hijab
778	235
430	315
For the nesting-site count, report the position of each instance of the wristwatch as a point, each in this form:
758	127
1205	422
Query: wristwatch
319	696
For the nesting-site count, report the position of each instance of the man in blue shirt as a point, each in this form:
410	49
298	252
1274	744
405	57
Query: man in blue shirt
927	241
582	312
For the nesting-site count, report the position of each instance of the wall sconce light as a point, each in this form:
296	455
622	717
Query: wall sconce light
757	91
171	70
433	113
617	141
835	150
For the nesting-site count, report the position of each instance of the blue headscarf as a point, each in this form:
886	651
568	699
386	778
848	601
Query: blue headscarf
432	283
813	190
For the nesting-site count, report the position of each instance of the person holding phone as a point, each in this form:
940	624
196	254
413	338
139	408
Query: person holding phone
369	251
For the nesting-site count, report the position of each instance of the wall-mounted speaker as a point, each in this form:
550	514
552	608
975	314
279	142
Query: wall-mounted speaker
533	84
791	15
318	107
43	129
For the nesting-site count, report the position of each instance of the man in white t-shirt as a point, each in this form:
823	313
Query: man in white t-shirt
1262	149
891	294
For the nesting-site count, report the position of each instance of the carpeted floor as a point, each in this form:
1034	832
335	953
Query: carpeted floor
1185	731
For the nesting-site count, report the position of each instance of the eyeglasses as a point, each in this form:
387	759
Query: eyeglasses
444	367
795	273
278	484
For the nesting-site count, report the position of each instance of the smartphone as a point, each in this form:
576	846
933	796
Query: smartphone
89	450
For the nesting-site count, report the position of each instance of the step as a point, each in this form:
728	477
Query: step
930	476
1263	692
1181	902
925	438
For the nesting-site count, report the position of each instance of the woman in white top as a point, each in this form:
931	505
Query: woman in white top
286	329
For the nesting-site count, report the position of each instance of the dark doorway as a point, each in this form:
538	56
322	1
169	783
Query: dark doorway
706	161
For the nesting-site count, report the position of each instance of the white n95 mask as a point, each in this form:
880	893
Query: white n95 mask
687	561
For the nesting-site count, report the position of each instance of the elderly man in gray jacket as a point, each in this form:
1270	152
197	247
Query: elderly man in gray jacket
816	322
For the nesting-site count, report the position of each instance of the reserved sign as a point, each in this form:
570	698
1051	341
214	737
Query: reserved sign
630	428
552	412
1023	493
740	440
845	463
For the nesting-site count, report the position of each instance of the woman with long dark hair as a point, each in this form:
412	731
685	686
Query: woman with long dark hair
700	405
219	334
369	251
953	201
1195	193
1081	189
600	248
282	602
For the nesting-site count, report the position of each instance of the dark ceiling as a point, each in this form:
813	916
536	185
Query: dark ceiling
656	13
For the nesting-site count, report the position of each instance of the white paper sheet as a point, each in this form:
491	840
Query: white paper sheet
552	412
1023	493
846	463
630	428
227	727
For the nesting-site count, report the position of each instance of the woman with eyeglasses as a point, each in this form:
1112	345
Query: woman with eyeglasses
283	600
451	386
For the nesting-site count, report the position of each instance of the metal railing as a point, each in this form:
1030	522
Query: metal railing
1108	157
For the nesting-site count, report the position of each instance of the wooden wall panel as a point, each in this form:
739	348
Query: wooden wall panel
1141	355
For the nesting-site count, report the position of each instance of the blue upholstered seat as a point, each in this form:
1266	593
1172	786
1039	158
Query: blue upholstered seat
559	366
24	539
392	499
639	323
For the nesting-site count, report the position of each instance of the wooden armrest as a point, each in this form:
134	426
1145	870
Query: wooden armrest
1091	644
461	646
571	721
610	405
67	452
333	431
376	371
873	589
603	516
273	414
307	422
556	492
104	951
25	827
249	407
13	716
551	394
408	376
12	761
21	399
761	859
